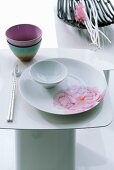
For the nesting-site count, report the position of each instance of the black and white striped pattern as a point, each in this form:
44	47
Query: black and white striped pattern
105	10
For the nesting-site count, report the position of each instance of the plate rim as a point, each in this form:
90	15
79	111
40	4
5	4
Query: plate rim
63	113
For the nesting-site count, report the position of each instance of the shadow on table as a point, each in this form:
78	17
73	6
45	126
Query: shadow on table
82	120
88	158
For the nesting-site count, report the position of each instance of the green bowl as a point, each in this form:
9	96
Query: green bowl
25	53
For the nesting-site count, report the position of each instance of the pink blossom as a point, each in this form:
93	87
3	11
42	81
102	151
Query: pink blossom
80	15
78	99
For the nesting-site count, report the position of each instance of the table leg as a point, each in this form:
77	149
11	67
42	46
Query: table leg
45	150
107	75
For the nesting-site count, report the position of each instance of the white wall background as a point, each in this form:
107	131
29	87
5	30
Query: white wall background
38	12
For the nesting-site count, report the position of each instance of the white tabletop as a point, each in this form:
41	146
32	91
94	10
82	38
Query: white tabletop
27	117
55	34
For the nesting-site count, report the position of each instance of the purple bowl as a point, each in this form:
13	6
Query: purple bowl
24	34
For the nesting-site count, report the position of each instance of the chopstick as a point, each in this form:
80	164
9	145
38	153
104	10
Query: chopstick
12	99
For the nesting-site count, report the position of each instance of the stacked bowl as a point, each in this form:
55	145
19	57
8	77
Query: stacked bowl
24	40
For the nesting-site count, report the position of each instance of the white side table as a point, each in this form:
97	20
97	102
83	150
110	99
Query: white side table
45	141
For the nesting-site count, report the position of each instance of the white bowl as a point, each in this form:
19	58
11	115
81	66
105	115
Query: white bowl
48	72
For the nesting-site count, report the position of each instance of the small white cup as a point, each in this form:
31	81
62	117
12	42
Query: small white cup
48	73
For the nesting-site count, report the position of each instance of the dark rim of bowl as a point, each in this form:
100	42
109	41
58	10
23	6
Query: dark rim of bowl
24	46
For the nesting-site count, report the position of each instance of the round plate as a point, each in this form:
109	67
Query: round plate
80	75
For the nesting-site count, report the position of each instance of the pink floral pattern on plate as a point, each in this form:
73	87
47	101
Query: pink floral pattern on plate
78	99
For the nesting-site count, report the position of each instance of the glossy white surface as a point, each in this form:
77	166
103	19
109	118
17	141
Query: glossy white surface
48	73
45	150
27	117
79	74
